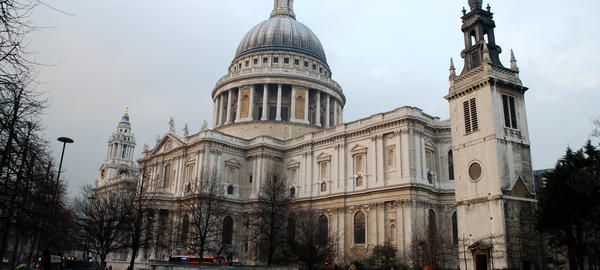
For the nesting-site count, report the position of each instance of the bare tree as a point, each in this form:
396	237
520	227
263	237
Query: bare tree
140	226
204	208
103	218
313	243
425	249
271	214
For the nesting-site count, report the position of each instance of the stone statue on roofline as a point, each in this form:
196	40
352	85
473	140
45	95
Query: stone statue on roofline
172	126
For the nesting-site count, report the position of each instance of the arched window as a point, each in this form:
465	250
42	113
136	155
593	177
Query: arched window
432	228
454	228
450	165
167	179
323	187
292	192
359	228
291	230
230	190
185	227
227	230
323	229
473	38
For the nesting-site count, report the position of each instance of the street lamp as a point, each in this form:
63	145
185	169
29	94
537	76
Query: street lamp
64	140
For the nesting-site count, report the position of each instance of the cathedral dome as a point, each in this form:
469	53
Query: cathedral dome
282	32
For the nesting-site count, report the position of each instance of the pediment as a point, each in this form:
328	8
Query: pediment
166	143
232	163
429	143
323	157
359	149
520	189
293	164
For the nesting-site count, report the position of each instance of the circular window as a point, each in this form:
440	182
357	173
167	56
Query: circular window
475	171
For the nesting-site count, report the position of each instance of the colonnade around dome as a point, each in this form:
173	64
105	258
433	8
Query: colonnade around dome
277	102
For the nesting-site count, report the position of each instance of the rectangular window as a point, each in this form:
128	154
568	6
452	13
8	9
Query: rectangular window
275	60
391	156
305	64
324	170
265	60
510	113
296	62
255	61
358	164
293	174
314	67
247	62
189	172
470	110
286	60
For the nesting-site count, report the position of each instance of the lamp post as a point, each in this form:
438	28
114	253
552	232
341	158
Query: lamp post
64	140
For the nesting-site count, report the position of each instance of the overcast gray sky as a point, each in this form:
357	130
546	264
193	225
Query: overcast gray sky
162	59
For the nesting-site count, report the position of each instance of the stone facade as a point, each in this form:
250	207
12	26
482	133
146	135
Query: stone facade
393	174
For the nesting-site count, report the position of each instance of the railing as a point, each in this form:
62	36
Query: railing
280	71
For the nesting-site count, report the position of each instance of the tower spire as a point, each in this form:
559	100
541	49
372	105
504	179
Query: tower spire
283	8
513	61
452	68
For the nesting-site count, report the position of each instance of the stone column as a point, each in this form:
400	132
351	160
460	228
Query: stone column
318	115
279	97
327	111
306	107
335	116
341	113
220	111
229	106
216	112
251	105
265	101
239	106
293	105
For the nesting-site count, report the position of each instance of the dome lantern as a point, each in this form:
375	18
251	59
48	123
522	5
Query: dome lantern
283	8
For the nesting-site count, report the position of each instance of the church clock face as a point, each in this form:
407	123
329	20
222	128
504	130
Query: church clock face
123	171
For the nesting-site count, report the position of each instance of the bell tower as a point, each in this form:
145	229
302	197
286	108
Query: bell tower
478	29
119	163
495	198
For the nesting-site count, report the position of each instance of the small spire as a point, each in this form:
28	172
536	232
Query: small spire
513	61
283	8
126	110
489	8
486	53
452	68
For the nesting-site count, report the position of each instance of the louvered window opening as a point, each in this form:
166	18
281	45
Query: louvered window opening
471	122
510	112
